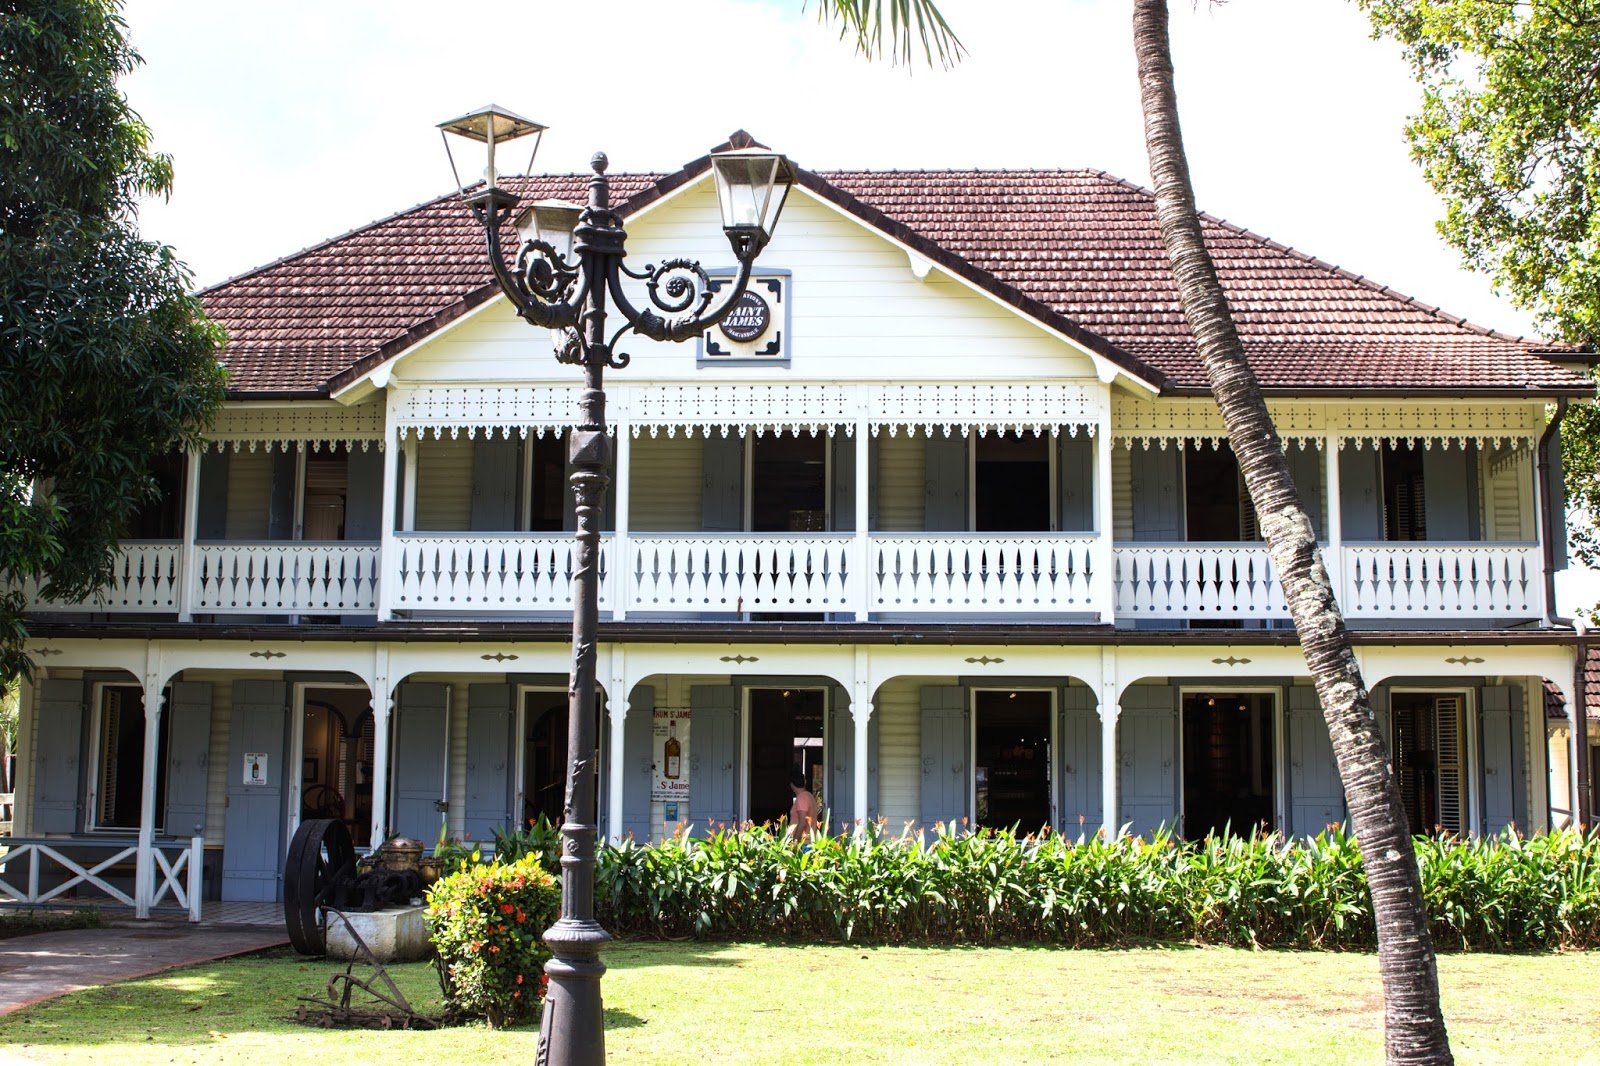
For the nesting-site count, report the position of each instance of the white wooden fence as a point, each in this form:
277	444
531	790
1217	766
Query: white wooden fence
286	577
38	870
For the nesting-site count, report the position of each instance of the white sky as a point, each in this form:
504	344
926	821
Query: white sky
294	121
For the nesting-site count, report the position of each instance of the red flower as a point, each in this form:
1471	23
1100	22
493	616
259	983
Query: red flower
519	978
521	917
506	908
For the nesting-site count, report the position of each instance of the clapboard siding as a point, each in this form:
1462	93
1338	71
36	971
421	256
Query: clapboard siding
249	494
899	713
1121	494
666	489
857	308
900	489
444	484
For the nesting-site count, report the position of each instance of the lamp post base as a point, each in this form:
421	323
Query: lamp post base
572	1031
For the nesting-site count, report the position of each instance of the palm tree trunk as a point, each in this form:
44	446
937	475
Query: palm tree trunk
1413	1022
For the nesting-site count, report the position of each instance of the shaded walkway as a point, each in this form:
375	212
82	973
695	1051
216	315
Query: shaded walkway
45	965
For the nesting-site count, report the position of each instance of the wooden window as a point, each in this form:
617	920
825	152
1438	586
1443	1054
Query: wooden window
326	488
1405	504
1011	483
789	483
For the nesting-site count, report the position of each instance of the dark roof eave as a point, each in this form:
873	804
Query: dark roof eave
1553	391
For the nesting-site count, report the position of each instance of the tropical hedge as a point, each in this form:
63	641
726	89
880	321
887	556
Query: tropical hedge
1508	893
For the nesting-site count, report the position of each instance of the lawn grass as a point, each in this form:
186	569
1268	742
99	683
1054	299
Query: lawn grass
748	1003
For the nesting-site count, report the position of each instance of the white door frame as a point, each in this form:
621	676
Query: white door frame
1052	775
91	780
1280	810
519	798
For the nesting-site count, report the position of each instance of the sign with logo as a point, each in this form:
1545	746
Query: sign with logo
255	768
757	329
748	320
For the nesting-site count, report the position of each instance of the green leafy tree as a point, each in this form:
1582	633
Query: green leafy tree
1508	135
106	360
1414	1028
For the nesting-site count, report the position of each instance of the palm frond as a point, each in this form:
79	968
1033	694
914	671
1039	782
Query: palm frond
894	28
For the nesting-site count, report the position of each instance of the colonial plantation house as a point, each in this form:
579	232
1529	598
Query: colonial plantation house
947	520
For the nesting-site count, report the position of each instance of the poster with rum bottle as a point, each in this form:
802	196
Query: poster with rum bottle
670	753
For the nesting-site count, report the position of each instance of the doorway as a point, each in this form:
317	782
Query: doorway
1011	761
789	483
1229	763
1425	731
785	737
543	779
336	742
1011	483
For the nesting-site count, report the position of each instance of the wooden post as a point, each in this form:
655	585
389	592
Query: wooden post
863	541
1110	708
1333	558
144	876
382	704
197	858
189	557
1104	594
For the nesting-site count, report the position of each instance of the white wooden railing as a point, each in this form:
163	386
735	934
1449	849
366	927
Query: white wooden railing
736	572
36	871
987	573
285	577
514	572
1195	581
148	578
1437	580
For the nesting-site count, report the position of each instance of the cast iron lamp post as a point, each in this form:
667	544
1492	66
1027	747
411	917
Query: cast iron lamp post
569	296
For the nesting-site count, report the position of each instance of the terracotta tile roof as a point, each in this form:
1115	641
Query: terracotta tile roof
1078	249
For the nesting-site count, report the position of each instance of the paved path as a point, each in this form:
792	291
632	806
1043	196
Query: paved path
45	965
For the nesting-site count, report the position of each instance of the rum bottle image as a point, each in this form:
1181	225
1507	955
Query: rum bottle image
673	751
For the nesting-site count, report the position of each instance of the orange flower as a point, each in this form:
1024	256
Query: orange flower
519	978
521	917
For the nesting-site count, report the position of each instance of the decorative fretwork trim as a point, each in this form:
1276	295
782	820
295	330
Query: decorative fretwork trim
1036	408
1166	422
316	425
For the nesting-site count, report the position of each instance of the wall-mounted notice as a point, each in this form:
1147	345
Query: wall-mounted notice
670	753
255	768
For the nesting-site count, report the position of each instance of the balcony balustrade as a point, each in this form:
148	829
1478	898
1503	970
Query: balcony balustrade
1080	577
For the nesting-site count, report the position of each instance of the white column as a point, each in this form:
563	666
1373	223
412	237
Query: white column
1110	708
1105	593
144	876
1333	558
620	568
388	569
408	507
861	713
22	782
382	706
863	503
189	564
617	717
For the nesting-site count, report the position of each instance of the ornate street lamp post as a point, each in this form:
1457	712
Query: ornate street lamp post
567	290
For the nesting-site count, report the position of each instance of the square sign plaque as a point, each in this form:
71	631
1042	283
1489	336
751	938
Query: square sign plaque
757	329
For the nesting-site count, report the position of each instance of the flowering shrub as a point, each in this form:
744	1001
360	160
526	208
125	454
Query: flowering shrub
485	923
952	885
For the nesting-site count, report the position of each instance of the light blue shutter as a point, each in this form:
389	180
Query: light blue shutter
252	839
280	506
713	754
944	754
421	746
1360	495
1449	492
58	757
211	517
945	484
1502	762
495	470
638	746
188	757
1316	797
363	499
489	757
1305	468
1149	731
1081	802
1157	493
722	491
844	482
1075	477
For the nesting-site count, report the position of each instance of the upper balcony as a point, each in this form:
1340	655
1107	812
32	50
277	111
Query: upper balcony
993	518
